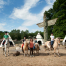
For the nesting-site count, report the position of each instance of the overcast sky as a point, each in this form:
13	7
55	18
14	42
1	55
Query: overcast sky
23	14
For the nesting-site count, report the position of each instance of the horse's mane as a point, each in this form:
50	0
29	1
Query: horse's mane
57	37
37	44
26	42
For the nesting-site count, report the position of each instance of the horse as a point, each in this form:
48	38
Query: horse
5	47
36	48
25	47
55	45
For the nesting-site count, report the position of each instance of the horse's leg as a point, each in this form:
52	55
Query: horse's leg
24	53
50	51
8	51
58	52
27	52
3	51
34	52
37	52
54	52
45	49
22	50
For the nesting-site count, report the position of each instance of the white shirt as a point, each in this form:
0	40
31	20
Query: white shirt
52	38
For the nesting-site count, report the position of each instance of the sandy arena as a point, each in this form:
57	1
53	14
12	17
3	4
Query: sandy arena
44	59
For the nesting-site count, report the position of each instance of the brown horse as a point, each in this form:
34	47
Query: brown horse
25	47
55	45
36	48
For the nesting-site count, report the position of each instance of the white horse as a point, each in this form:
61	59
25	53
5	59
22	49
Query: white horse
5	47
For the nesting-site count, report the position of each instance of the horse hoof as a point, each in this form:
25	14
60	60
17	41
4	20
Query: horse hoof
30	56
59	55
27	55
24	55
54	56
33	56
49	54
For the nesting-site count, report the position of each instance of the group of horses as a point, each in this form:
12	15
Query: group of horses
26	45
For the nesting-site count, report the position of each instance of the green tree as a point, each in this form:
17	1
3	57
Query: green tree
15	34
22	34
1	34
58	11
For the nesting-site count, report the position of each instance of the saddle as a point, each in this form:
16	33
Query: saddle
4	42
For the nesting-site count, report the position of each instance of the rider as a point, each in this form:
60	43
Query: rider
23	42
35	41
52	40
5	37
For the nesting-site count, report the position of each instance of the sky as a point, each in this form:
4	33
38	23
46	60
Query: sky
23	14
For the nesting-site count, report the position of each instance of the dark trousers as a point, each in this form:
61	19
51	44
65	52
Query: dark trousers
52	42
3	42
31	51
22	50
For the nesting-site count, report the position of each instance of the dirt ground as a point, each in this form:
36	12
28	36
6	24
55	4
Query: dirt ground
44	59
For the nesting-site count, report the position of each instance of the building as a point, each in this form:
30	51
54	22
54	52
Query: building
39	39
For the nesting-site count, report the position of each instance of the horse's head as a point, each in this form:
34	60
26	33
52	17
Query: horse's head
36	45
58	40
26	43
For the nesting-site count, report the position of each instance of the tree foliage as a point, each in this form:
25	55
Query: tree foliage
17	34
59	29
58	11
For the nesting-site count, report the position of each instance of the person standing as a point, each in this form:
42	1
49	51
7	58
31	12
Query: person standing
52	40
31	47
